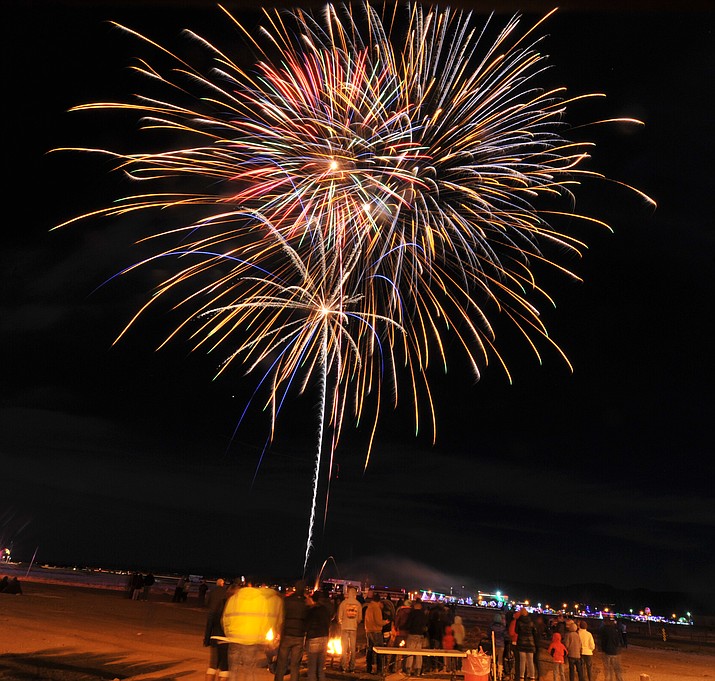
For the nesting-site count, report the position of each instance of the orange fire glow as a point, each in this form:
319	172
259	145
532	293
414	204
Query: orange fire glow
335	647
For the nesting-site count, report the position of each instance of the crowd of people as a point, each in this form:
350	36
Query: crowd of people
570	646
303	622
139	586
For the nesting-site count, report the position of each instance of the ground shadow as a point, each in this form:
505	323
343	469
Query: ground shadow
61	665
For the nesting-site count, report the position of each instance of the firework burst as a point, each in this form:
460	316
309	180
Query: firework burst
371	185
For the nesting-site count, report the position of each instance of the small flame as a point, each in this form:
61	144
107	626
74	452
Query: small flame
335	646
269	635
402	643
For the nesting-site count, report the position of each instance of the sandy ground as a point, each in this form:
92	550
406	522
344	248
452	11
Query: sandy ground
66	633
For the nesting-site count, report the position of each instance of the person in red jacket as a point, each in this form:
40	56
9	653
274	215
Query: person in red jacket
558	653
448	643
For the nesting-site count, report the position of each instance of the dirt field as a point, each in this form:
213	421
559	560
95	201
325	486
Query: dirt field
65	633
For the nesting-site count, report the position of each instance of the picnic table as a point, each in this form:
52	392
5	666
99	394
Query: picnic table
420	652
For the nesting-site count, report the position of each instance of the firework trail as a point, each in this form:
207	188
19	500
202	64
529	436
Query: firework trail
371	185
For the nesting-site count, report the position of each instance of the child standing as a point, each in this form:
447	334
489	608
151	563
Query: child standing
558	652
448	643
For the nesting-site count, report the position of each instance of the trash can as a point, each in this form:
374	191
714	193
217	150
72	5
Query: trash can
476	666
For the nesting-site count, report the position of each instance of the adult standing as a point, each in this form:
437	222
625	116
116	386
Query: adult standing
202	591
459	636
218	650
317	632
610	643
148	582
290	651
374	622
498	633
623	631
460	633
573	646
512	641
179	590
436	623
399	639
588	645
186	588
416	630
249	614
137	586
349	616
526	645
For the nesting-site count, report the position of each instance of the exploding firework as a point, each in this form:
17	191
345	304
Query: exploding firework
371	185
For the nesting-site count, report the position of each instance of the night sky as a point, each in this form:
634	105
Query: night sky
123	456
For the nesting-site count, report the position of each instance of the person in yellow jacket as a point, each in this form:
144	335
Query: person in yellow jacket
252	618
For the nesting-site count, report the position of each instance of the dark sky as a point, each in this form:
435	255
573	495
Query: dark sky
120	455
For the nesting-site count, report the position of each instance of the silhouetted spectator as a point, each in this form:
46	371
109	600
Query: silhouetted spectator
137	586
218	654
320	613
416	630
179	590
13	587
610	644
290	651
203	588
526	644
148	583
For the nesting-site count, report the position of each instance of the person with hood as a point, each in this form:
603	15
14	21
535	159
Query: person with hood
526	645
498	633
573	645
349	616
449	643
459	633
558	653
459	636
587	647
290	651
